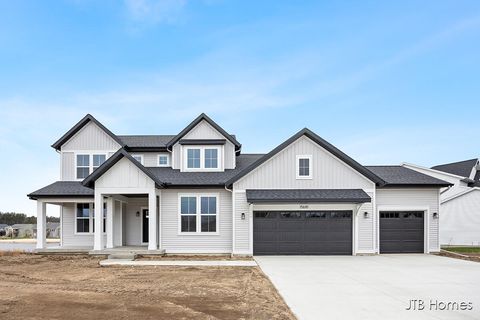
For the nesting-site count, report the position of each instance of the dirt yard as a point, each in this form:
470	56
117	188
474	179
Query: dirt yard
76	287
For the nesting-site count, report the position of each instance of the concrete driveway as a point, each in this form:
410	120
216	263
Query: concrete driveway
375	287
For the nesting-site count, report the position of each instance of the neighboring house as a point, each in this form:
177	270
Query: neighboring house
53	230
22	230
3	231
460	203
196	192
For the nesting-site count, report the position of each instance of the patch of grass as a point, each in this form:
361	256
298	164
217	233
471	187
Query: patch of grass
463	249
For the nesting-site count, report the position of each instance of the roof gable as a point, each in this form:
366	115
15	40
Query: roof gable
460	168
322	143
197	121
81	124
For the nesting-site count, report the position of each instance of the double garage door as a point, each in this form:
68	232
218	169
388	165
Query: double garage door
330	232
302	232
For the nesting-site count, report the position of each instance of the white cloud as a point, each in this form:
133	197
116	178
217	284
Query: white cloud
155	11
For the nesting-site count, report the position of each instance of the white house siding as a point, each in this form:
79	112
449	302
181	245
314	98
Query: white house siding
411	199
242	227
172	242
328	172
133	224
70	239
177	156
150	159
68	166
90	137
203	130
460	220
366	227
124	175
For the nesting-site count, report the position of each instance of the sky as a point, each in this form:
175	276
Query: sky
385	81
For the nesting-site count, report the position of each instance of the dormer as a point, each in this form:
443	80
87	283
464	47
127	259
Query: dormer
203	146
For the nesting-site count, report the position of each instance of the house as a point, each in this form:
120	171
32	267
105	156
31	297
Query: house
460	203
3	227
53	230
196	192
21	230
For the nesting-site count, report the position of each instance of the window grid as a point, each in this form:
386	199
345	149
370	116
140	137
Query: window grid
198	214
193	158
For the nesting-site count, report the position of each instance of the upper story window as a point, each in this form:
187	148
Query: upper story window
203	158
86	163
198	214
138	157
163	160
304	167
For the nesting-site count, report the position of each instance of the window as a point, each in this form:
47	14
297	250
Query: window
163	160
98	159
193	158
83	218
188	212
208	211
211	158
304	168
138	157
83	166
198	214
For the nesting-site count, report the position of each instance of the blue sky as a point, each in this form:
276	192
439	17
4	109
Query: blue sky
384	81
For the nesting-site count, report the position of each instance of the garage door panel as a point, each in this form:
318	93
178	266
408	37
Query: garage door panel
311	232
401	232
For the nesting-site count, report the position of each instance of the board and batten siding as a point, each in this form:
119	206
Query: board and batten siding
69	238
68	166
90	137
173	242
460	220
124	174
411	199
328	172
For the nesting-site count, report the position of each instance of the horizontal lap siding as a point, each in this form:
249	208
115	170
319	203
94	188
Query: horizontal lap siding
133	224
460	220
173	242
242	240
366	227
412	198
70	239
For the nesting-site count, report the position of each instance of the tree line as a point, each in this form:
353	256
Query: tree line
11	218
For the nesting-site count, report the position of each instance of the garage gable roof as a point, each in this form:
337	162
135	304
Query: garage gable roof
324	144
195	122
307	195
117	156
460	168
82	123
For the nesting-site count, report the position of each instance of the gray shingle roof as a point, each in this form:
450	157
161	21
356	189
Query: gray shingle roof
461	168
63	189
146	141
173	177
401	176
307	195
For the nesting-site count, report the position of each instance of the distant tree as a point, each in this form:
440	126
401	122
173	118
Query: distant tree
11	218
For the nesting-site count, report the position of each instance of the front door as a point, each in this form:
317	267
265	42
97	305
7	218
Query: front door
145	225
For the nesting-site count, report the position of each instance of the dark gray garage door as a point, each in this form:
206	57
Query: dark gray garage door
401	232
300	232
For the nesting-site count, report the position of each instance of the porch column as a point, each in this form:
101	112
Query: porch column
152	220
98	235
41	224
109	227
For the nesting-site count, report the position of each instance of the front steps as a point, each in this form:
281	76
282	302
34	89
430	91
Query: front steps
127	256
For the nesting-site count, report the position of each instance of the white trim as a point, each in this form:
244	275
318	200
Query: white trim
303	207
297	167
91	216
202	148
250	229
90	155
198	215
141	223
426	221
163	155
234	213
138	155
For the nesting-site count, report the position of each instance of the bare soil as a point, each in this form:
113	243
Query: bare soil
463	256
76	287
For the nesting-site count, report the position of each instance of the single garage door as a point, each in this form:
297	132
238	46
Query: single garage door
302	232
401	232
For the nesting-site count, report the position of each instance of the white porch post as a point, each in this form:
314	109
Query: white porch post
98	236
152	220
109	227
41	224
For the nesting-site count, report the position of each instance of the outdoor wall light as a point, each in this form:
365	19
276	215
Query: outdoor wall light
243	216
435	215
365	214
137	214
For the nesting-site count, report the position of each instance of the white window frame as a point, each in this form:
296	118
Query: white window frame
202	158
90	218
163	155
198	231
297	167
138	155
90	161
